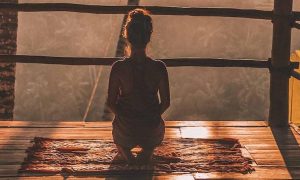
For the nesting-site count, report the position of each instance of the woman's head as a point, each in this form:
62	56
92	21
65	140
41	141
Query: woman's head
138	28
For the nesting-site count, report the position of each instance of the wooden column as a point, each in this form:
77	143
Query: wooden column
279	87
8	45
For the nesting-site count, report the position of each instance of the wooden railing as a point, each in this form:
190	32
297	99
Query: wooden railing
171	62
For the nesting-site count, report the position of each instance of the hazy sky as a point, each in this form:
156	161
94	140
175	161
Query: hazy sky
56	92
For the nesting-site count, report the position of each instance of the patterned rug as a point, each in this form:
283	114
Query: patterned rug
76	157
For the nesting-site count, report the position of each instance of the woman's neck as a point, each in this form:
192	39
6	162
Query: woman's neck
138	54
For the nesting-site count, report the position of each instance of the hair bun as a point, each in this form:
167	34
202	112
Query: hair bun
138	27
138	16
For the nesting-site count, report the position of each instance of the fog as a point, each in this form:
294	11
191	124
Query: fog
60	92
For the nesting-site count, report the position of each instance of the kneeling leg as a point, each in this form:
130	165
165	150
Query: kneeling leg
145	155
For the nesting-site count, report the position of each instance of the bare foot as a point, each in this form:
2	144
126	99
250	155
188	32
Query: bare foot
120	157
145	157
126	154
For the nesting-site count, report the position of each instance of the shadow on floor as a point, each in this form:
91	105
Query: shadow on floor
140	172
289	148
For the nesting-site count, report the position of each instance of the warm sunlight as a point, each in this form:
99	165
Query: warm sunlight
195	132
149	90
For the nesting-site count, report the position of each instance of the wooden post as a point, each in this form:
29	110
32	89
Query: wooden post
8	45
279	87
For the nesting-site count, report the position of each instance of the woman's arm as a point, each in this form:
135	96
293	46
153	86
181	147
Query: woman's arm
113	88
164	90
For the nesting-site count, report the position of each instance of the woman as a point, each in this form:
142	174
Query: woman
133	89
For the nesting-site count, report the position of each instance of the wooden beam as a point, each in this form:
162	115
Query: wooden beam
156	10
279	85
295	74
171	62
296	16
296	25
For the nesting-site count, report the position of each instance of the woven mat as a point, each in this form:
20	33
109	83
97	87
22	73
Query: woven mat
54	156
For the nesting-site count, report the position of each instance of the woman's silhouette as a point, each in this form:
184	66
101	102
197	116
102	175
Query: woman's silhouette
134	85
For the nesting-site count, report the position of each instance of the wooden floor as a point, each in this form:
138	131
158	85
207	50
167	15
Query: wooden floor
276	151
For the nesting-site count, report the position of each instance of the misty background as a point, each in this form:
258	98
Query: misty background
61	92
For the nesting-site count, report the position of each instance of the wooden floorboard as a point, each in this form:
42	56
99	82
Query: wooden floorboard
275	151
54	124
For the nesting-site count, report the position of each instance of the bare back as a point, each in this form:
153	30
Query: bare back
136	85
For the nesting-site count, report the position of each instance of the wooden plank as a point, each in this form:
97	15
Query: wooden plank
190	130
249	123
194	132
169	123
277	162
202	132
173	123
13	141
270	147
156	10
221	130
94	129
12	151
13	160
240	133
40	124
260	173
14	147
290	152
277	155
9	171
12	131
178	176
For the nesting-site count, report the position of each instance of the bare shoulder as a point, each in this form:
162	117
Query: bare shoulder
159	64
119	64
117	67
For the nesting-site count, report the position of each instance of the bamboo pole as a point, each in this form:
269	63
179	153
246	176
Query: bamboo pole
279	83
157	10
107	61
296	16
